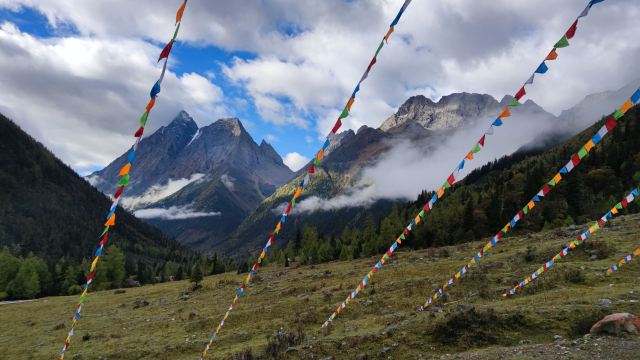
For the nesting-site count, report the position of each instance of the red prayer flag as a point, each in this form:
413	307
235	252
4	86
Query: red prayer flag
288	209
91	275
572	30
165	52
611	123
575	159
336	126
312	169
545	189
451	179
104	240
481	142
521	214
624	203
406	232
520	93
139	132
373	61
119	192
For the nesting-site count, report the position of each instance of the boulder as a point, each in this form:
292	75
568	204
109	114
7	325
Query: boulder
617	324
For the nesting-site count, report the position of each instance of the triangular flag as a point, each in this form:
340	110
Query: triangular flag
542	68
481	141
505	113
489	131
572	30
111	221
552	55
125	169
564	42
180	12
530	80
165	52
514	102
520	93
337	126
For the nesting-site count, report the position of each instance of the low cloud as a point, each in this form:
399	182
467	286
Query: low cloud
227	181
173	213
158	192
295	161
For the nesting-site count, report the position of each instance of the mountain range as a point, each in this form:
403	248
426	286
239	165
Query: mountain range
216	189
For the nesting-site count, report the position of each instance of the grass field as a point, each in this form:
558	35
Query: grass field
381	323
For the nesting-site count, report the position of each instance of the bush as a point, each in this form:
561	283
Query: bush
574	276
3	295
74	290
281	341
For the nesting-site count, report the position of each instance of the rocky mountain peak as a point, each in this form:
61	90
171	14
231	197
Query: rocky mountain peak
233	125
183	119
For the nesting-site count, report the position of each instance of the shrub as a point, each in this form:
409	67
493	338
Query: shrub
575	276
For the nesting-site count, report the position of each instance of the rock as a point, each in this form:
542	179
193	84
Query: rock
184	297
59	326
140	303
192	315
362	357
291	349
368	302
120	291
557	337
132	283
604	302
617	324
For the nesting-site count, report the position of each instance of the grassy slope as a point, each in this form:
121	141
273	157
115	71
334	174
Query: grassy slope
170	328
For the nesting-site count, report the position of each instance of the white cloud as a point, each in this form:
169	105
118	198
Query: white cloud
172	213
270	138
295	161
82	96
227	181
158	192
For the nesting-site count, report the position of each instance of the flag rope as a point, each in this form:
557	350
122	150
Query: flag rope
305	181
597	225
479	145
625	260
575	160
124	176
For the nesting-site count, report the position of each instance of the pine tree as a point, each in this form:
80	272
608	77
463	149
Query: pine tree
196	275
116	266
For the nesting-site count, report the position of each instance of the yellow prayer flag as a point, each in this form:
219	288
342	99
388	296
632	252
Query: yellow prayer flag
505	112
557	178
320	155
278	226
440	192
298	192
626	106
531	204
417	219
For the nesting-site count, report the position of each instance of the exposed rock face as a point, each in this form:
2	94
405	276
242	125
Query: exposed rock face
448	113
617	324
214	169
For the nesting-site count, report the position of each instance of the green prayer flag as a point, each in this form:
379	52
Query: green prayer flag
143	119
293	202
476	148
344	114
582	153
446	185
316	162
596	226
402	237
619	206
379	47
525	210
514	102
175	34
618	114
421	213
106	228
551	182
564	42
124	180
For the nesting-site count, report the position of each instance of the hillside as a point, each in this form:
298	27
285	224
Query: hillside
48	210
477	206
382	322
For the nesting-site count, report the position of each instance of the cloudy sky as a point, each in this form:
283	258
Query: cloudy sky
76	74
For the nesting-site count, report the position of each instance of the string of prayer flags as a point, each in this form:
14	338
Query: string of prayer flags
454	176
597	225
124	175
624	260
546	188
305	181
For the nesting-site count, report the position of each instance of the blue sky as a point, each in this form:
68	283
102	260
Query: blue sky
76	73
